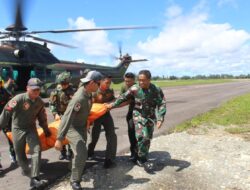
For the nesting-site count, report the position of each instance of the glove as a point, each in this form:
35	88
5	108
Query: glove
47	133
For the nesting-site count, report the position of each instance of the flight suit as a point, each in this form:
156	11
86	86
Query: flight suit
24	113
59	100
131	126
144	116
5	96
107	121
74	126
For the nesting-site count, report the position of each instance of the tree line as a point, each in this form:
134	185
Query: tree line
212	76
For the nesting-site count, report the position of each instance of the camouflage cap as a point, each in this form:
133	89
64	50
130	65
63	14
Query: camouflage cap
92	75
63	77
34	83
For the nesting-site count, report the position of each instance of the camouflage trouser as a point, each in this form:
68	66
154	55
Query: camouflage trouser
144	129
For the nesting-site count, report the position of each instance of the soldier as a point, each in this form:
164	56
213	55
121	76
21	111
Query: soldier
24	109
148	97
5	96
10	86
74	125
59	100
104	95
129	80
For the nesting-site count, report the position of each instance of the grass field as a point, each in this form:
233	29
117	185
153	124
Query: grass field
234	114
167	83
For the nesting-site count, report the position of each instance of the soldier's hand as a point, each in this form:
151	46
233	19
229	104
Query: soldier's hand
47	133
58	145
159	124
57	117
108	106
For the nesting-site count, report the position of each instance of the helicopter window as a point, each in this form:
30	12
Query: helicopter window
32	74
39	73
15	74
50	76
75	73
6	73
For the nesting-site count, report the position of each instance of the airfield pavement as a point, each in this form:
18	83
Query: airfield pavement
183	103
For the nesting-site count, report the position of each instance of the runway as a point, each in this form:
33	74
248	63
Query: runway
183	103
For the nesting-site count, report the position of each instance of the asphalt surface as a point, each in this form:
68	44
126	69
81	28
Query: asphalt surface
182	103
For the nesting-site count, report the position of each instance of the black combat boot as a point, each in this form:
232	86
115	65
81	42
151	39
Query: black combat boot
69	155
75	185
63	153
141	161
36	183
12	156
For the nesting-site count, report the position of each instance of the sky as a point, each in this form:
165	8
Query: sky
194	37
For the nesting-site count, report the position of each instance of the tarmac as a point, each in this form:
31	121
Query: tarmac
182	102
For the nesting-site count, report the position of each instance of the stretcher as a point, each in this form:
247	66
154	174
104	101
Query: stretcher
46	143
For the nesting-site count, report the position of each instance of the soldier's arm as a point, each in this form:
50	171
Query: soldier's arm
67	119
7	112
53	103
124	97
162	109
42	118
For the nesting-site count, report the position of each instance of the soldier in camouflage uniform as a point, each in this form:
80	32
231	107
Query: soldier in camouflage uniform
59	100
5	96
104	95
148	97
129	80
24	109
74	125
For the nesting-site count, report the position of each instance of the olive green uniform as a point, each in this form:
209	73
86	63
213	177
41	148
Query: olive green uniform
24	113
107	122
73	126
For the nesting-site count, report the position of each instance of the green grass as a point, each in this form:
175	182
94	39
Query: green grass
234	112
167	83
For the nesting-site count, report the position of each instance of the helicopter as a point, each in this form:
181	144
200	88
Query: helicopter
21	59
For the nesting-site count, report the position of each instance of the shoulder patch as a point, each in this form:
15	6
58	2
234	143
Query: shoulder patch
77	107
12	104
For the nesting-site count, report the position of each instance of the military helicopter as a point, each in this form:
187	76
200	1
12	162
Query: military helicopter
21	59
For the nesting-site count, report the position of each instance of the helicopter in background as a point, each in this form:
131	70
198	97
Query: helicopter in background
22	60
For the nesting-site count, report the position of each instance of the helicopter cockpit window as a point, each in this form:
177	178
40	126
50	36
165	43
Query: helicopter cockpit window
15	74
32	74
6	73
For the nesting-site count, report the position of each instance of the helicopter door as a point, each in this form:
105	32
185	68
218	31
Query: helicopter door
23	74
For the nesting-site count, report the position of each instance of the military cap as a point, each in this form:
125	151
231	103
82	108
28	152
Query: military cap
63	77
92	75
34	83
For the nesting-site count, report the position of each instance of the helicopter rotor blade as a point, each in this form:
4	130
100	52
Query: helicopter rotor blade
93	29
4	36
139	60
51	42
18	20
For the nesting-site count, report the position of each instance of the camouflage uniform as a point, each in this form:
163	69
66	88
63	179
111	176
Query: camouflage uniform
5	96
131	126
59	100
107	121
144	116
